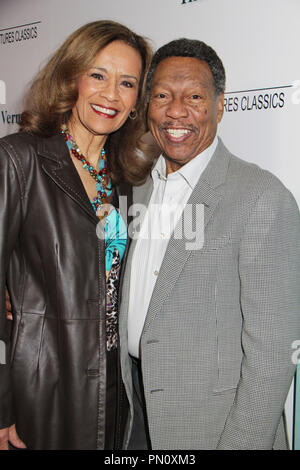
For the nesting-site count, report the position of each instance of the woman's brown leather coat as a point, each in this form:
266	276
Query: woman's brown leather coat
53	384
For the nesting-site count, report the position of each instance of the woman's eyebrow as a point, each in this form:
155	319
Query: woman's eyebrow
102	69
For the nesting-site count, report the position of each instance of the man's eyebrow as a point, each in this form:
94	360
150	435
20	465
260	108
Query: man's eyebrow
102	69
164	84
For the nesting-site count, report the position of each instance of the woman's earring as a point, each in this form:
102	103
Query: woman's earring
133	114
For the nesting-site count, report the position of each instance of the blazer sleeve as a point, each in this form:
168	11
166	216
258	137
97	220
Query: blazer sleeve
269	267
10	222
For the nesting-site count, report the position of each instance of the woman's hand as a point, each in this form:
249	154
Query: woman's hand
9	435
8	307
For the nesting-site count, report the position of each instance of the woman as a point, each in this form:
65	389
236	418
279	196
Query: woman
58	177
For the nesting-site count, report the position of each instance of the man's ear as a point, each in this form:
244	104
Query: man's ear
220	107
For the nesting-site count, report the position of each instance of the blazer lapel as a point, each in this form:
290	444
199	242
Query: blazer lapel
60	168
124	191
141	196
177	254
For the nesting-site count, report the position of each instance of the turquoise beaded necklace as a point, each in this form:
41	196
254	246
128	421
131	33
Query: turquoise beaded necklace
103	181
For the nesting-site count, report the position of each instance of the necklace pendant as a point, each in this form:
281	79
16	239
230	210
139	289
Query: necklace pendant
102	213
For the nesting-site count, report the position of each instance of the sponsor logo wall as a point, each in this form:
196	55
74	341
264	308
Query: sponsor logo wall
19	33
257	41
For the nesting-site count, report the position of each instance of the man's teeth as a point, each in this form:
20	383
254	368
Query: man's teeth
178	132
111	112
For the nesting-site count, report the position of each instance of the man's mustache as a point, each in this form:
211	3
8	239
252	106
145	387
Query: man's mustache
177	125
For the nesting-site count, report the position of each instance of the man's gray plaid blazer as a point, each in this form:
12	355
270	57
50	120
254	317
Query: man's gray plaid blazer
217	342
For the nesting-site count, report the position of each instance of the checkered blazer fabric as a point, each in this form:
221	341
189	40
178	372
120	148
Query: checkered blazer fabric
216	346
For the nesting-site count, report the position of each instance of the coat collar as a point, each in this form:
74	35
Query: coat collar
206	190
59	167
212	177
216	171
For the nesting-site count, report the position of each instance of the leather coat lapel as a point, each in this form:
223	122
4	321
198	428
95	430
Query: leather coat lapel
177	254
60	168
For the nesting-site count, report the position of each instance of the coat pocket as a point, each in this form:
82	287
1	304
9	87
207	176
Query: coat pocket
225	391
216	243
27	341
228	325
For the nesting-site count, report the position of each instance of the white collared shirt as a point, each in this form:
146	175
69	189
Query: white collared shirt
169	197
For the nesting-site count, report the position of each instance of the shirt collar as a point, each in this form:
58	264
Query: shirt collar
191	171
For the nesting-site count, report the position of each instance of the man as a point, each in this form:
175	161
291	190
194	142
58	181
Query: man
206	329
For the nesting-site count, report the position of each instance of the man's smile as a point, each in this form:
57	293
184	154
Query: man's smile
175	134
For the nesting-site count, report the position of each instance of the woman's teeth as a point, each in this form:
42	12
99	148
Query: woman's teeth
100	109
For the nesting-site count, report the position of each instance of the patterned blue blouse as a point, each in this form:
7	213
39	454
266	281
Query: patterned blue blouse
115	237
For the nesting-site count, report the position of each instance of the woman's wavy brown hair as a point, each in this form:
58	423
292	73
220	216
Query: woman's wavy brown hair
54	93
